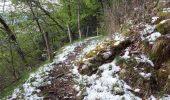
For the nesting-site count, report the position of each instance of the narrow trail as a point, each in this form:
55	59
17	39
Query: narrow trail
61	87
62	82
55	81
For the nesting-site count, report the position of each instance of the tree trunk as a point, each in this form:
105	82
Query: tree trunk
97	31
78	19
45	35
69	33
69	22
49	50
87	31
12	38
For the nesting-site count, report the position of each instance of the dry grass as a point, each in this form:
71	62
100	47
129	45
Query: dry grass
161	50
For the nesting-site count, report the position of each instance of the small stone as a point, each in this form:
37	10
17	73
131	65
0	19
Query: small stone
106	55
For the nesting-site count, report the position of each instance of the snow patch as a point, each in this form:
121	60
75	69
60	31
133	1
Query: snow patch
143	58
154	19
118	37
152	38
166	10
148	29
145	75
126	55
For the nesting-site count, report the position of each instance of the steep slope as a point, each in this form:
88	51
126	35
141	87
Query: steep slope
115	68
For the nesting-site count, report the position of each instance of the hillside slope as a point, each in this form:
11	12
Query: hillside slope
135	67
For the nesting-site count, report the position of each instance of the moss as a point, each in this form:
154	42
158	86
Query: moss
163	28
99	48
90	66
119	60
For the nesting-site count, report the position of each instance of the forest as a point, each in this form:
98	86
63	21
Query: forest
85	49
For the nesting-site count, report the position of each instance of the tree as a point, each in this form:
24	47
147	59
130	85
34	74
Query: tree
78	19
12	38
45	34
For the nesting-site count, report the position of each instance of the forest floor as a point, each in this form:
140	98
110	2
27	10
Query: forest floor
55	80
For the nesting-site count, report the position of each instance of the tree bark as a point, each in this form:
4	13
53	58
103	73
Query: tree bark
97	31
69	33
49	50
78	19
87	31
69	22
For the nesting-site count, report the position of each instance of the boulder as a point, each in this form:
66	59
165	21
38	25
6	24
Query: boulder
106	54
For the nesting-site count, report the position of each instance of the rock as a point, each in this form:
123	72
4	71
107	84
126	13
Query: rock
106	54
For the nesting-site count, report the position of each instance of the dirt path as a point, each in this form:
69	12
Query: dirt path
61	87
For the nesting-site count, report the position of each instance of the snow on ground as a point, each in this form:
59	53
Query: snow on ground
149	34
118	37
41	77
126	55
103	86
143	58
108	86
166	10
154	19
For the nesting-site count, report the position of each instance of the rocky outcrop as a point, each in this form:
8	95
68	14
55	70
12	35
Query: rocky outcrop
105	54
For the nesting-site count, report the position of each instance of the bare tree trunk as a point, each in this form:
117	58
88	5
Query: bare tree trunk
78	19
4	6
87	31
69	33
97	31
12	38
49	50
45	35
69	29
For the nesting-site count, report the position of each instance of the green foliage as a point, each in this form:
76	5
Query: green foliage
30	39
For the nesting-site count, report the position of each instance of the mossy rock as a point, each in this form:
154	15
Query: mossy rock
103	54
164	27
100	48
162	16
